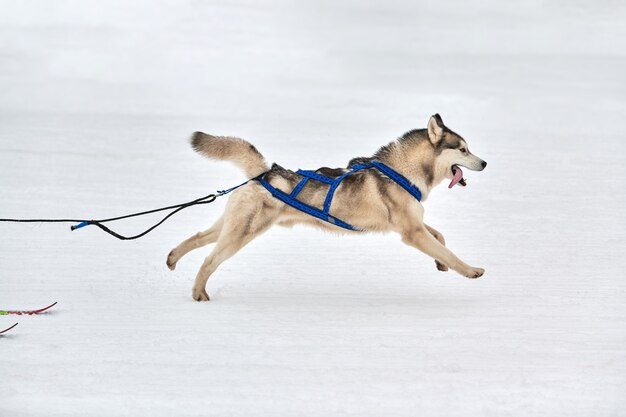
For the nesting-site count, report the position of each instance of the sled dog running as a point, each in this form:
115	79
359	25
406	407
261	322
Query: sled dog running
367	199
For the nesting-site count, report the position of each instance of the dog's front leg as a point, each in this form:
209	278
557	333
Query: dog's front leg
420	237
440	238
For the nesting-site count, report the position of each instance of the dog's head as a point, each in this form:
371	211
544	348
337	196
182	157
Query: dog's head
452	152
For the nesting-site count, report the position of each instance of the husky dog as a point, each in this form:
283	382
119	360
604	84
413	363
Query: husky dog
367	199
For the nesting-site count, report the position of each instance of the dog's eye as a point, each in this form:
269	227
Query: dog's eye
463	150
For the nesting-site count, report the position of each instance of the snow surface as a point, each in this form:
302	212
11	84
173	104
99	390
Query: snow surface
97	100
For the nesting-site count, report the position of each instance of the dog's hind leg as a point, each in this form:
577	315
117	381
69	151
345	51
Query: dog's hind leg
194	242
440	238
239	229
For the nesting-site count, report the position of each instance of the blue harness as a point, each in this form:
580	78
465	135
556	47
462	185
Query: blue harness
291	200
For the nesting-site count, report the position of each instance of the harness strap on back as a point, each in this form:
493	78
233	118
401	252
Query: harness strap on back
316	176
290	199
335	184
299	187
285	198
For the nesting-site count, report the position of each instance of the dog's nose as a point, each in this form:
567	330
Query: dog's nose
484	164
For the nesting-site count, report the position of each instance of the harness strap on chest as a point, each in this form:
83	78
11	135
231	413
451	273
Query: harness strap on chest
334	183
399	179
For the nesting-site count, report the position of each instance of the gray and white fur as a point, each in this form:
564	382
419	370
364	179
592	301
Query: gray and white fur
366	199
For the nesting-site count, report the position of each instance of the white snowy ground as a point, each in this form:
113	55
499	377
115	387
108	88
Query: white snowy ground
97	100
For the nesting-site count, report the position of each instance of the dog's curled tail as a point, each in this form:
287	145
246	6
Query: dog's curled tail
224	148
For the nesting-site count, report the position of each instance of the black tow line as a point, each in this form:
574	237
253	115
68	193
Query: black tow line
175	209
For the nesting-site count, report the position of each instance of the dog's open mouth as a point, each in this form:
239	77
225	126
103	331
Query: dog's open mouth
457	176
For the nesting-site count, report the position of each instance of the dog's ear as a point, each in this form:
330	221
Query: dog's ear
435	129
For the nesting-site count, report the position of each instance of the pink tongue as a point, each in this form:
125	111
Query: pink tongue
458	176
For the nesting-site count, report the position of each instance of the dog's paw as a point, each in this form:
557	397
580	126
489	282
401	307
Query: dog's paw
441	267
171	261
475	273
200	295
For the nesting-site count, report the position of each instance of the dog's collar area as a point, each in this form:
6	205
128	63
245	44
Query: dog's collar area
324	215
